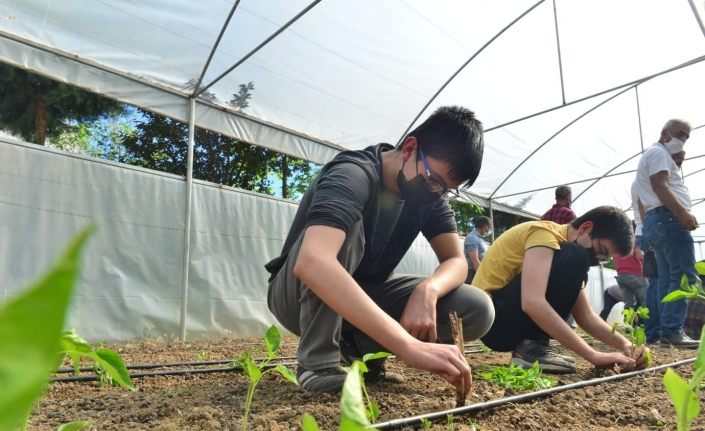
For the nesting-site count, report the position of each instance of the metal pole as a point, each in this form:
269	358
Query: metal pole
187	218
492	218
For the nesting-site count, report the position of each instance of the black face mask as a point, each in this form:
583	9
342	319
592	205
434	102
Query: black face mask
592	256
414	192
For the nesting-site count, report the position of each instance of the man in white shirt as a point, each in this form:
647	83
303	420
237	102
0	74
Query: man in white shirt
667	224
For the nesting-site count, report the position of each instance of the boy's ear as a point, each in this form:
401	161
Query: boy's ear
585	228
409	147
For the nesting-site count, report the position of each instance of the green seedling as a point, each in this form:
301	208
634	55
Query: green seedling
426	424
473	425
685	395
29	345
108	365
451	421
308	423
353	413
202	356
255	371
687	290
75	426
634	331
517	378
371	406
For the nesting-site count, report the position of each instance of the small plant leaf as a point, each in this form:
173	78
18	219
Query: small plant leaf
272	340
639	336
643	313
684	282
681	394
372	356
112	364
70	340
308	423
352	406
75	426
252	370
30	329
286	373
700	267
676	295
373	411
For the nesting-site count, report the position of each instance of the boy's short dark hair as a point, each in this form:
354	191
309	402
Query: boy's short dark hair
482	221
453	135
609	223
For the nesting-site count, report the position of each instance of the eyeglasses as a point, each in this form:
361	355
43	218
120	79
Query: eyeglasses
601	251
435	184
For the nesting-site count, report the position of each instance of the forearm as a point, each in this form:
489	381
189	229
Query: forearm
598	328
447	277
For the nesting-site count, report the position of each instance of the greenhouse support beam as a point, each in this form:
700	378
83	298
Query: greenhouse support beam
697	16
558	48
187	218
460	69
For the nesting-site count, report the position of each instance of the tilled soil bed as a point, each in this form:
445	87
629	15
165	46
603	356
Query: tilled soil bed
216	401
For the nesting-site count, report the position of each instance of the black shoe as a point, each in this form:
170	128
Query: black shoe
377	373
529	351
349	352
679	340
327	380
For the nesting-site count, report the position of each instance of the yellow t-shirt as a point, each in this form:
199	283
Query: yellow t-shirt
504	259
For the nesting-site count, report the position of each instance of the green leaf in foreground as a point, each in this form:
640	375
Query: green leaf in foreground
30	329
685	401
75	426
308	423
352	406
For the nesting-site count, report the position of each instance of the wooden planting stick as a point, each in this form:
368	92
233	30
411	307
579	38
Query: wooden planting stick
456	325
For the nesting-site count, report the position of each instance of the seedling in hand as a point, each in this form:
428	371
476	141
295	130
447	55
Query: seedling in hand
634	330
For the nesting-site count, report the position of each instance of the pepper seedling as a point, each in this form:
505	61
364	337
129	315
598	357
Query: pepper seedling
518	379
685	395
687	290
255	371
634	330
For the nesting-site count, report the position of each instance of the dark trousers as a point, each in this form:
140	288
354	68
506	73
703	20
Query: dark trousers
511	325
609	303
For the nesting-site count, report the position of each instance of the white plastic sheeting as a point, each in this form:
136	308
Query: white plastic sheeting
130	284
334	74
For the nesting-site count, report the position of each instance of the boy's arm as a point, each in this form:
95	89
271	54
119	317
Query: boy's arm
534	282
419	316
317	266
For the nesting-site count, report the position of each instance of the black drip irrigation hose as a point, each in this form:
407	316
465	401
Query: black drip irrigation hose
93	377
205	363
413	420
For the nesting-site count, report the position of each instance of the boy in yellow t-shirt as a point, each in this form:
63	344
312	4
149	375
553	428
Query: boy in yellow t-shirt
535	272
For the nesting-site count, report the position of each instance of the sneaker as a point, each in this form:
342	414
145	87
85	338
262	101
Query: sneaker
327	380
679	340
558	352
529	351
378	373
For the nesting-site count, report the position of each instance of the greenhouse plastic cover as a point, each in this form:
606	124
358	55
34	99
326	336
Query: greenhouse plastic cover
331	75
570	92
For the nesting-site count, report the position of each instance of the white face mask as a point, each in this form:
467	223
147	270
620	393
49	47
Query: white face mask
487	234
674	146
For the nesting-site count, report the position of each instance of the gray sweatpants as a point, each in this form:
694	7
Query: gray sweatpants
300	311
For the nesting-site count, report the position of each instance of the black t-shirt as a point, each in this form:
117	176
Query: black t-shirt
350	188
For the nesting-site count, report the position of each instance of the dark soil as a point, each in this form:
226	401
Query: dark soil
216	401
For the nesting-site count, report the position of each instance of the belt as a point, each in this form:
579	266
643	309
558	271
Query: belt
656	210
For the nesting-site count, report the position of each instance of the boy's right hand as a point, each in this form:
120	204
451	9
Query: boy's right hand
442	359
608	360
